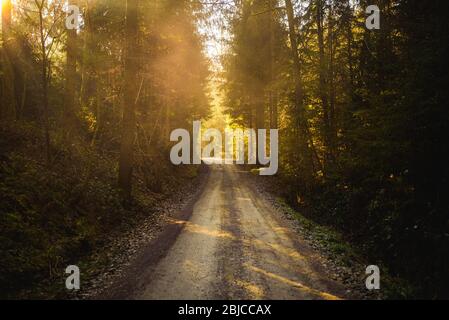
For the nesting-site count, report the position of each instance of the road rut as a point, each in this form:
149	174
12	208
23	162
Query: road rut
233	246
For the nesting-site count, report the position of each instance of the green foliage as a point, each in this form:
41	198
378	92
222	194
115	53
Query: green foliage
376	124
54	216
50	216
57	210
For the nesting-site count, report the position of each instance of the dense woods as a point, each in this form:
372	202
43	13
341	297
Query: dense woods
86	115
85	118
362	118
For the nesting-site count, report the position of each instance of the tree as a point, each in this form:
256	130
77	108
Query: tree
9	107
70	82
49	19
305	144
130	99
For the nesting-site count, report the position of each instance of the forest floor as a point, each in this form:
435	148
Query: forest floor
231	239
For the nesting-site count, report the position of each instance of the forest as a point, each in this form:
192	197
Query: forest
86	115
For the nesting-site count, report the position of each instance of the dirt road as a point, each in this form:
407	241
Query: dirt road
232	245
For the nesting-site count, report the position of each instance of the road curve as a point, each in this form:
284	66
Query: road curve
233	246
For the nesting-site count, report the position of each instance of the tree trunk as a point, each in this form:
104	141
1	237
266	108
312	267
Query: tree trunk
260	118
70	88
304	141
9	106
88	81
350	40
129	100
332	111
322	80
273	95
44	79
